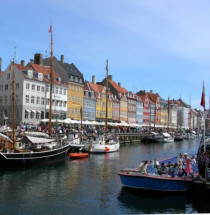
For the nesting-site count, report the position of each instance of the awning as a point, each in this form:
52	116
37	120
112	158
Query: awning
34	111
38	111
28	111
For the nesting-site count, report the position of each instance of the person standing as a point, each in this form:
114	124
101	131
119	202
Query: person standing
188	168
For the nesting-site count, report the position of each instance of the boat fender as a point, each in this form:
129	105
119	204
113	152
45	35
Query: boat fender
89	148
106	149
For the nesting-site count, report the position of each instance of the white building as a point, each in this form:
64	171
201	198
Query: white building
31	94
182	117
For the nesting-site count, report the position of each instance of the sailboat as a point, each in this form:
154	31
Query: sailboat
166	137
31	150
103	143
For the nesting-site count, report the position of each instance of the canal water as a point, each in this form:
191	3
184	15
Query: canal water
92	185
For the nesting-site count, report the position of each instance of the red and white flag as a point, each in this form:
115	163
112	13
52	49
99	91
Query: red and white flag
203	98
50	30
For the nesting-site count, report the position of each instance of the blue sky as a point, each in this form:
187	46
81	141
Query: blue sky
161	45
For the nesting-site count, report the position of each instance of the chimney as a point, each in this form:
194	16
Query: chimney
119	84
0	63
31	60
62	58
94	79
110	77
151	91
22	62
38	59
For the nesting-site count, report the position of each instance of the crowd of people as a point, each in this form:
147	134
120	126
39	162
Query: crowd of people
182	168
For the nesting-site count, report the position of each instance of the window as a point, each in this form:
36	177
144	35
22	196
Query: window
43	89
16	99
26	114
69	97
60	104
48	88
37	115
47	101
5	99
69	110
56	90
38	88
8	76
38	100
43	101
27	98
32	115
33	87
17	86
61	91
64	92
6	87
69	86
64	104
0	99
32	99
27	86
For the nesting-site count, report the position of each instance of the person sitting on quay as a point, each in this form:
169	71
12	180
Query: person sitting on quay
143	167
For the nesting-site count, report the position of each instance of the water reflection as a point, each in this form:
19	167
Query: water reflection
153	202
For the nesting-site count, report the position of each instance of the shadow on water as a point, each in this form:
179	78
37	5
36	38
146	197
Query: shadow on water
150	202
145	202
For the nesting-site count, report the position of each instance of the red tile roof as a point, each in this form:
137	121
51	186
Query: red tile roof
117	87
45	70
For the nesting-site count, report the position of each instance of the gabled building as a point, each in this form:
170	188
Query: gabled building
131	99
139	110
89	112
59	91
120	93
115	109
70	74
100	95
148	110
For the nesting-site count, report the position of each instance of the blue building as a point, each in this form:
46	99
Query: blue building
89	111
139	110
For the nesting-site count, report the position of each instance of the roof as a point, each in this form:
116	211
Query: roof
153	96
45	70
60	70
72	70
117	87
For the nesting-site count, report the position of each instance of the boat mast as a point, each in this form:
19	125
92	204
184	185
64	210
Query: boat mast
168	114
106	99
13	101
155	115
51	81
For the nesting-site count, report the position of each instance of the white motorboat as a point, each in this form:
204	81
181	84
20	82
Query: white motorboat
166	138
102	145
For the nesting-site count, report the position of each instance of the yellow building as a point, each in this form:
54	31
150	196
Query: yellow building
100	94
164	117
75	100
75	92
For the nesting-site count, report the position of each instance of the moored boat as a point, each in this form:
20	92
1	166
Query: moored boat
76	155
133	179
166	138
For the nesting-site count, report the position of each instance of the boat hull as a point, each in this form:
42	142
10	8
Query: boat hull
78	155
34	158
102	148
144	182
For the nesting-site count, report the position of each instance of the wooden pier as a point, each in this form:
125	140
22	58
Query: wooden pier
130	137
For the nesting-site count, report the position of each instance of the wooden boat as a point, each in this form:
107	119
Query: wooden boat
103	143
131	178
76	155
31	150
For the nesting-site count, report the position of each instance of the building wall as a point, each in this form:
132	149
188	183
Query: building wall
123	109
115	110
75	100
101	106
139	111
89	106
